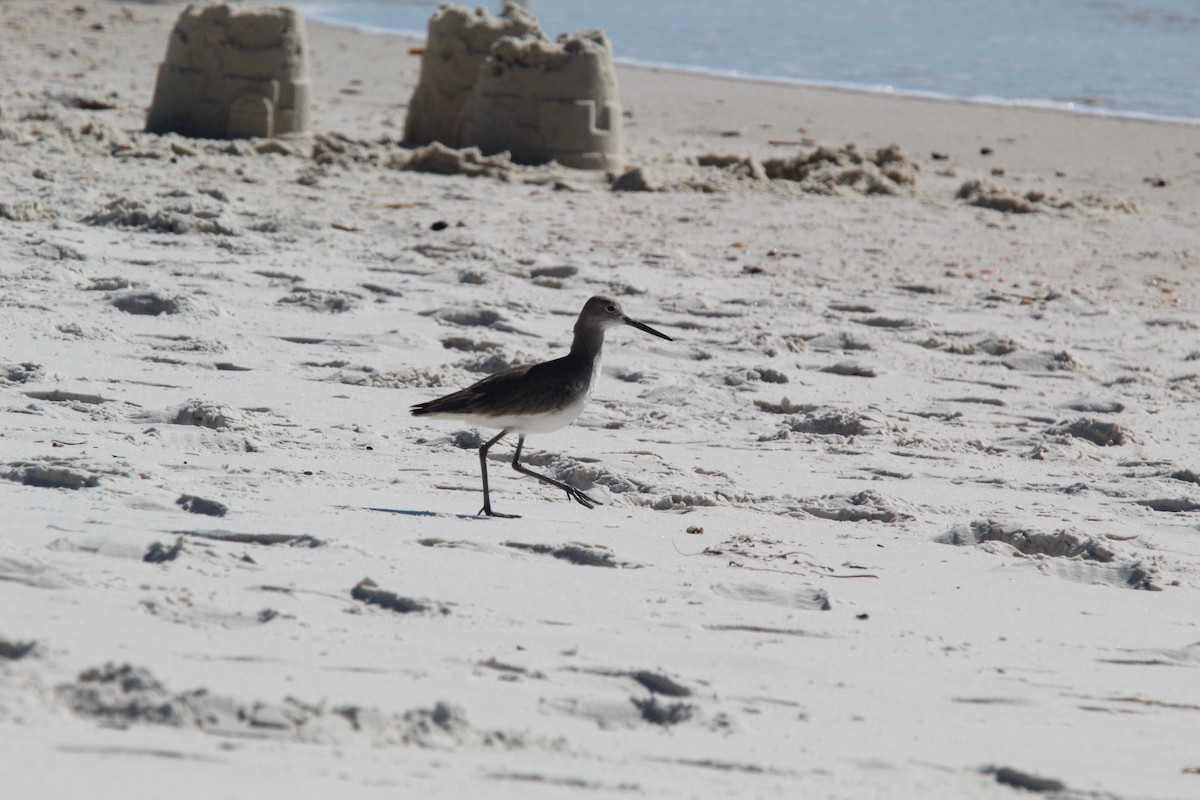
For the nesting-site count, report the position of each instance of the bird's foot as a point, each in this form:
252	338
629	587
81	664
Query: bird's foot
582	499
487	511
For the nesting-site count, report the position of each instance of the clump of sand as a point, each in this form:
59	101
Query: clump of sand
988	195
828	170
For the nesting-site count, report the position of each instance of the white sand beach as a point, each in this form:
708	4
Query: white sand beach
909	507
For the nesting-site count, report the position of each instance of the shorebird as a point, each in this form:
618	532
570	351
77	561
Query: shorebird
537	398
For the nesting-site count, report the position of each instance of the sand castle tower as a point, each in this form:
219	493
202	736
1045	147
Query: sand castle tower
233	72
457	44
500	84
543	100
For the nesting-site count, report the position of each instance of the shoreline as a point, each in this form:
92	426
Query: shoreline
1043	104
1055	106
675	111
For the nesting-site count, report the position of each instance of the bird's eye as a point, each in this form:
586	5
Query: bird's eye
612	309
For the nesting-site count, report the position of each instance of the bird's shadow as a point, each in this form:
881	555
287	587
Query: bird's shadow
414	512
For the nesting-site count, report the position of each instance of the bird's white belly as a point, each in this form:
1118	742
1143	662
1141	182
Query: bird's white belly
544	423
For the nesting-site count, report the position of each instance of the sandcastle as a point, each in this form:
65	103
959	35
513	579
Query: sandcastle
500	84
233	73
457	43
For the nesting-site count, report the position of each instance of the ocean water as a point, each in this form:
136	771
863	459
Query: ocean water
1127	57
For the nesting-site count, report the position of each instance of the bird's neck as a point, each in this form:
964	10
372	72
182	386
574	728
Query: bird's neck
587	344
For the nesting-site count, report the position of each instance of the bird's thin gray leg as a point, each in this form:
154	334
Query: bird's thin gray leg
487	497
572	492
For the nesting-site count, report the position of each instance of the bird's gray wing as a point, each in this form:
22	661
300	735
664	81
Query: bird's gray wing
528	389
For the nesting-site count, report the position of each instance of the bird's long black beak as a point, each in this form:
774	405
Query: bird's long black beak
641	326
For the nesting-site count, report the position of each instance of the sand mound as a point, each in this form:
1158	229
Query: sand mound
442	160
1064	553
123	695
828	170
988	195
233	73
181	217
